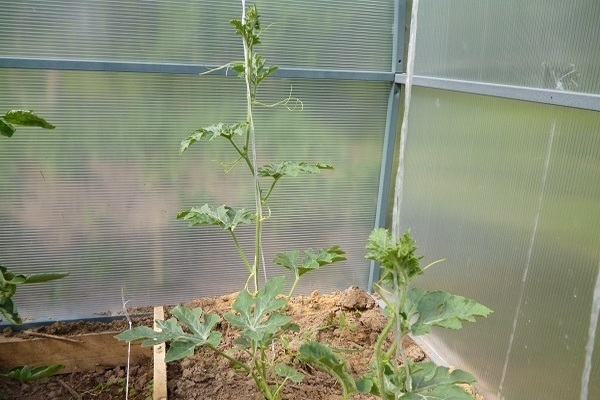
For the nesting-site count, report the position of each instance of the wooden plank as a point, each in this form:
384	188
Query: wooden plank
160	367
92	351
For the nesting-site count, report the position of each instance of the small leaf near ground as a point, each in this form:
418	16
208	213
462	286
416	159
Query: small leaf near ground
322	357
440	309
289	168
26	373
286	371
182	344
26	118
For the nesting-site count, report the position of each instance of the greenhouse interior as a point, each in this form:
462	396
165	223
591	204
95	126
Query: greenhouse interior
471	125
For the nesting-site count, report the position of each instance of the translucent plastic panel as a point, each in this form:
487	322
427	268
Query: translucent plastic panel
99	195
507	192
544	44
304	33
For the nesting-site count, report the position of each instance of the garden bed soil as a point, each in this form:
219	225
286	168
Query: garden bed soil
348	320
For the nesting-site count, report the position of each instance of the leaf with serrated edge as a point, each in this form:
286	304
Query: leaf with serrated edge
290	168
212	132
310	260
257	319
223	216
440	309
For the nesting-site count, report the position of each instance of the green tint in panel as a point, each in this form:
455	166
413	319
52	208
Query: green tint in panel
549	44
316	34
508	193
98	195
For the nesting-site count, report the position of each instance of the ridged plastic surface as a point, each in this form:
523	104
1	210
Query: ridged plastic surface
98	195
508	193
551	44
311	34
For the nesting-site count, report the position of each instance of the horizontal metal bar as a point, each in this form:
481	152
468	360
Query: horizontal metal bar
584	101
174	68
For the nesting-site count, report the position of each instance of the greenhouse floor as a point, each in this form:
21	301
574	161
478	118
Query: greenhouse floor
347	320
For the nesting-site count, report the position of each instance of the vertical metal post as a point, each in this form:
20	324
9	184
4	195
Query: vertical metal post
391	125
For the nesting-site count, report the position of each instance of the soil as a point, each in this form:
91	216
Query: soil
348	320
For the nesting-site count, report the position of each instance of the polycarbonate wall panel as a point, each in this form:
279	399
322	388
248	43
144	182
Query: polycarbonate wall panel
543	44
305	33
508	193
98	196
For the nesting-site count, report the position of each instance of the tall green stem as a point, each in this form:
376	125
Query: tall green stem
241	252
251	146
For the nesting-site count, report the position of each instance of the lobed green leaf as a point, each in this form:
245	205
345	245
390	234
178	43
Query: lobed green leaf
441	309
258	317
290	168
182	344
212	132
397	258
224	216
310	261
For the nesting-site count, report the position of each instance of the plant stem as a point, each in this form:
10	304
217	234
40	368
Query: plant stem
242	154
270	190
250	144
234	361
241	252
377	354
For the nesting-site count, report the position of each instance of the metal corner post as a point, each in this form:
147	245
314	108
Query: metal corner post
391	125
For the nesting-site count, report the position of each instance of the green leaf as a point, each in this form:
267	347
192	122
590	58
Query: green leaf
182	344
448	392
6	129
8	287
397	257
9	310
429	376
212	132
366	385
310	261
289	168
440	309
25	373
179	350
191	319
39	278
257	317
322	357
286	371
224	216
26	118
